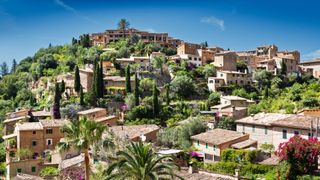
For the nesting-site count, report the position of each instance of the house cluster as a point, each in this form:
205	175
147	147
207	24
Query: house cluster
31	139
256	130
114	35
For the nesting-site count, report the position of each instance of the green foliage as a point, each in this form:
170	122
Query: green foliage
179	136
14	66
136	89
183	86
81	98
267	147
2	152
227	123
140	112
24	153
214	98
4	70
49	171
145	86
128	81
77	83
235	155
155	100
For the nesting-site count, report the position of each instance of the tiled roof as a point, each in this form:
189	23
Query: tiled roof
71	162
296	121
101	119
21	176
244	144
218	136
89	111
133	131
233	98
15	119
263	118
41	113
29	126
53	123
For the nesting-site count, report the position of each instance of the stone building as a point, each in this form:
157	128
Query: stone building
36	138
114	35
275	128
136	132
226	78
225	61
86	78
311	68
213	142
99	115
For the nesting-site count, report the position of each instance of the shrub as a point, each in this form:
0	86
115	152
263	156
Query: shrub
234	155
222	167
49	171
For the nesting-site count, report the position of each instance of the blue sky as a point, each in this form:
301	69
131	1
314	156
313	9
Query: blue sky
27	25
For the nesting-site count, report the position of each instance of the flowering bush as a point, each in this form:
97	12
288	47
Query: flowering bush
301	154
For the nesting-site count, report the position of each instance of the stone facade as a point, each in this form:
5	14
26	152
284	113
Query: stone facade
225	61
86	78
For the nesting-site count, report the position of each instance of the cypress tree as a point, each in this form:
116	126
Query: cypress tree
62	86
136	90
283	67
101	80
155	100
168	94
95	84
14	66
56	103
81	96
128	81
77	83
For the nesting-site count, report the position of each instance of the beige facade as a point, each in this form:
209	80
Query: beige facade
93	114
311	67
225	61
86	78
144	62
37	137
225	78
276	128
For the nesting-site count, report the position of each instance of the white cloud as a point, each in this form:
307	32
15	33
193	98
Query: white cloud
214	21
150	30
313	55
74	11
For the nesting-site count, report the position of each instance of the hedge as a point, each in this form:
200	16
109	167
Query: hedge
230	155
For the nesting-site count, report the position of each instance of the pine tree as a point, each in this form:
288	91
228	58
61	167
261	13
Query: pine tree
74	41
128	81
168	94
155	100
136	90
56	103
4	69
101	80
77	83
14	66
81	96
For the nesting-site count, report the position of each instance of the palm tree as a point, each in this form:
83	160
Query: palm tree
123	24
139	162
82	135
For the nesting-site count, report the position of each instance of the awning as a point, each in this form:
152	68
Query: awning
9	136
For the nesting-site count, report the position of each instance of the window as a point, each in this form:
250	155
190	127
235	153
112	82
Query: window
266	130
49	141
296	133
214	147
284	134
49	131
198	143
243	128
34	132
33	169
206	145
34	143
310	135
221	75
19	170
253	128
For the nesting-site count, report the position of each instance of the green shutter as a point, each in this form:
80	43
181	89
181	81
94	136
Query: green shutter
206	145
33	169
19	170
